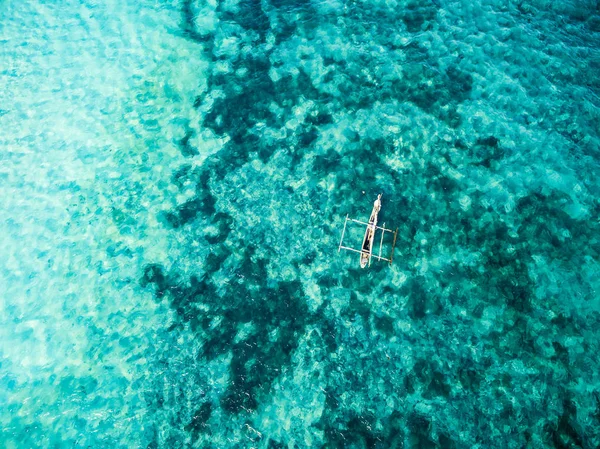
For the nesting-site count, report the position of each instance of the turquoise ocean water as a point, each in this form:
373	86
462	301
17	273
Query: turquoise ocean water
174	178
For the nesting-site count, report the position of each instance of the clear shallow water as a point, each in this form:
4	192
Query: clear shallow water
174	181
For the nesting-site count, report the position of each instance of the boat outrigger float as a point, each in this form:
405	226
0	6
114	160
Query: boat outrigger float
366	251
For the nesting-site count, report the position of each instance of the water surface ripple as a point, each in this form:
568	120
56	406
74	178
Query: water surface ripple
175	177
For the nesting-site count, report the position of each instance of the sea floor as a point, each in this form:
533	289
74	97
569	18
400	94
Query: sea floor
174	179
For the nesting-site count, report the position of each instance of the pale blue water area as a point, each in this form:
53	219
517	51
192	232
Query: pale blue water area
174	179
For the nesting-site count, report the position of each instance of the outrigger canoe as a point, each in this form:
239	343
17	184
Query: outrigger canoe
367	246
366	251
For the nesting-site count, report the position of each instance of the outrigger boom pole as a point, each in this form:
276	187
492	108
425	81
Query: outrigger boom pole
367	224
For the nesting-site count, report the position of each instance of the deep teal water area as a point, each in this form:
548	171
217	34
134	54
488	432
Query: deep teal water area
174	181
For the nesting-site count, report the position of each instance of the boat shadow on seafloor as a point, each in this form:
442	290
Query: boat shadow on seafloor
366	251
